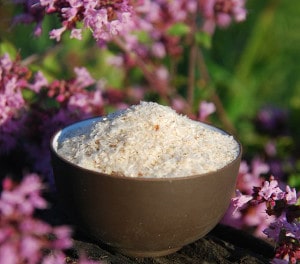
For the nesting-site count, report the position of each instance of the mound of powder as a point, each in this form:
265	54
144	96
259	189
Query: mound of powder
149	140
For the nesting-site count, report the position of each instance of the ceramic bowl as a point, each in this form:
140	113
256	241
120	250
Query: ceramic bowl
142	217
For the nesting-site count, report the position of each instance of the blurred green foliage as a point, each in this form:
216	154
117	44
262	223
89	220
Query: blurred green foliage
256	63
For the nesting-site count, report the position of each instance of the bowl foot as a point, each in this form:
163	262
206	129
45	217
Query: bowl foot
145	254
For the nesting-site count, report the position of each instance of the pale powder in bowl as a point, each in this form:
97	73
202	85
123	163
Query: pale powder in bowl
149	140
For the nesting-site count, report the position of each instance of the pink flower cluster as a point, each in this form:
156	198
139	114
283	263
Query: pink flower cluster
13	80
73	94
205	110
284	229
24	238
108	19
221	13
251	217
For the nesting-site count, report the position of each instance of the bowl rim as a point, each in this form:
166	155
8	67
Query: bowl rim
56	135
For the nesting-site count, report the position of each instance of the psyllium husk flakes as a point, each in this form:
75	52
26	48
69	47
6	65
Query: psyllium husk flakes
149	140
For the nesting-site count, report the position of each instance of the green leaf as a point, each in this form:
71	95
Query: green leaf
203	39
179	30
294	180
50	104
29	95
7	47
143	37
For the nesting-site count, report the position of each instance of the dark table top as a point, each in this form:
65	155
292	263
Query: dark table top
222	245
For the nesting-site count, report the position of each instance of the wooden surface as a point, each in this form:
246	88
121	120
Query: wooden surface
222	245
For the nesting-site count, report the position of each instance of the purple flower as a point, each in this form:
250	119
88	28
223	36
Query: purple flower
257	217
115	60
39	82
105	20
240	200
291	229
250	176
23	199
76	33
275	213
286	236
270	149
290	195
24	238
274	230
159	50
5	63
179	104
269	190
206	109
33	12
12	104
56	257
8	254
36	228
259	167
221	13
30	248
272	121
63	237
57	33
83	78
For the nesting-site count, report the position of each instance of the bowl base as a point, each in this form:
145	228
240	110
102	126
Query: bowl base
147	254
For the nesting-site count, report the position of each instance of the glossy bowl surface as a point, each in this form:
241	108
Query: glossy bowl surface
142	217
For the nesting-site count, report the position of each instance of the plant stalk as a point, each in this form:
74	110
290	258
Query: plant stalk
214	97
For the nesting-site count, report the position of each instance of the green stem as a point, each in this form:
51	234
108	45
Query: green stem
214	97
148	74
191	74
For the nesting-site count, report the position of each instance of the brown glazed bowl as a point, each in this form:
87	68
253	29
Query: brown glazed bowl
142	217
